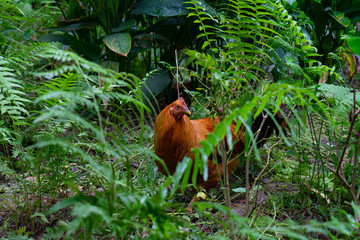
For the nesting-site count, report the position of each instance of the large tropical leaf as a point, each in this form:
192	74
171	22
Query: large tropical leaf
167	8
119	43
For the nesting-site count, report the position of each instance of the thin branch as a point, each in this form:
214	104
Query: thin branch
267	164
353	181
345	183
336	147
346	145
267	160
225	174
353	115
257	213
177	74
247	155
61	10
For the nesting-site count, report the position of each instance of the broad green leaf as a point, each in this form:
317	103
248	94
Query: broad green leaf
66	203
182	168
41	216
167	8
163	8
352	64
155	83
340	18
196	165
356	209
354	44
229	137
239	190
119	43
204	169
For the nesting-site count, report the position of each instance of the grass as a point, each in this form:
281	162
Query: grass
47	178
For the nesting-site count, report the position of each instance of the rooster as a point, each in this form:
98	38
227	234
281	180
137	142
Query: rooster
175	135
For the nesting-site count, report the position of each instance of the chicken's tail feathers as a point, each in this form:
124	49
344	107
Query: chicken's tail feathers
267	123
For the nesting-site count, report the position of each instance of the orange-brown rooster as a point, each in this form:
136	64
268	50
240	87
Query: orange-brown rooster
175	135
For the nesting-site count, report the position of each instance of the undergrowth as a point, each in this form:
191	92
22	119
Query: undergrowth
76	146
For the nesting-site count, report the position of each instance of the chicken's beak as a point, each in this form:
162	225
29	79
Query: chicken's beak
187	112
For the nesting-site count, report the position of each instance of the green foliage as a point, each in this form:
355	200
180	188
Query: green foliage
126	214
169	8
110	14
235	64
324	22
294	56
236	58
76	137
12	97
73	100
12	103
270	228
17	235
120	34
92	25
19	21
339	97
238	45
233	30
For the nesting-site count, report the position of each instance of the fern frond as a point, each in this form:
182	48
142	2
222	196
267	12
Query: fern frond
340	98
295	44
242	36
12	96
81	88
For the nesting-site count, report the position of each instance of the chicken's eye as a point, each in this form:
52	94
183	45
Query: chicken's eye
177	107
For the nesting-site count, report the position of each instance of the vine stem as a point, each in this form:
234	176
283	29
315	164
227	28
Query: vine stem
353	115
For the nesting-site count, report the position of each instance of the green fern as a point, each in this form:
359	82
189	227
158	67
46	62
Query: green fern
68	82
294	55
12	96
238	39
97	108
340	98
